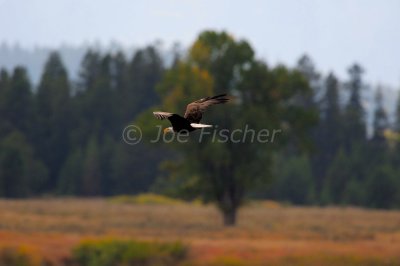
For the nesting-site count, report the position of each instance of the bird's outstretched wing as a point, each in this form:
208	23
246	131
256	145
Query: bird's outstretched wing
195	110
176	120
162	115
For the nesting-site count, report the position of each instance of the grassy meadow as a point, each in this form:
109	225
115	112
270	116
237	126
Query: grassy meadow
267	233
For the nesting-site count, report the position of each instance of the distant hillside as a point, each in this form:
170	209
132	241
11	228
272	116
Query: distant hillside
34	59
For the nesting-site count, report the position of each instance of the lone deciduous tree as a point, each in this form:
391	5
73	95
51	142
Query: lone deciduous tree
224	172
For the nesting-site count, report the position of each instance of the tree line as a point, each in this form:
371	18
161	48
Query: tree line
346	166
64	138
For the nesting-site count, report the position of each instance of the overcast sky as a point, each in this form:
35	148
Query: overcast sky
334	33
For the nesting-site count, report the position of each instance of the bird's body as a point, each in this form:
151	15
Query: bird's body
194	112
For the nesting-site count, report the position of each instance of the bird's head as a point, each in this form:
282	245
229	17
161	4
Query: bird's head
168	129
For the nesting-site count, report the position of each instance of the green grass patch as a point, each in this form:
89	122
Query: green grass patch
146	198
112	252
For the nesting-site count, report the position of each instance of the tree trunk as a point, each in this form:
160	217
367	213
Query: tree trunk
229	217
228	207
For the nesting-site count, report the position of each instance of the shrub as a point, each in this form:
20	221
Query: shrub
128	253
19	256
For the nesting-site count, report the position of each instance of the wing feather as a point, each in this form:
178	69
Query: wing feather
177	121
194	111
162	115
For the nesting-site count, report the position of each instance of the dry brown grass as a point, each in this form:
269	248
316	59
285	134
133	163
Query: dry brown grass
267	234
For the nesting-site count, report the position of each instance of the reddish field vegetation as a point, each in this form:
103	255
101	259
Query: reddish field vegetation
266	234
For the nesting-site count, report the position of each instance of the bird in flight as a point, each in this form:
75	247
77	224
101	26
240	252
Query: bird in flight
194	113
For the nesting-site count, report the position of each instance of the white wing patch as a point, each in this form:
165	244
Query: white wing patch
194	125
162	115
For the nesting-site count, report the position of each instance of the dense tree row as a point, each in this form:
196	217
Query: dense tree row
64	138
346	166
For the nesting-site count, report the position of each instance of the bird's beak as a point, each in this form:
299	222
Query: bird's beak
166	130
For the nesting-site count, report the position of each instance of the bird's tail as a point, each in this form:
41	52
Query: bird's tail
194	125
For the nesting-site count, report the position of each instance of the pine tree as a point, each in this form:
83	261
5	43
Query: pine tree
4	87
331	109
53	116
97	100
328	139
89	71
4	83
306	66
145	71
120	81
354	116
18	102
381	121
